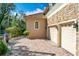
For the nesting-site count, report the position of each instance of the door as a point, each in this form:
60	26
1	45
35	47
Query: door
68	39
53	34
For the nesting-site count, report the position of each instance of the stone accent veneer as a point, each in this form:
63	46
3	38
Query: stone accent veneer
69	12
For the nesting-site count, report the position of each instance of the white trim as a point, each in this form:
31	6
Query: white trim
63	22
55	9
67	21
38	25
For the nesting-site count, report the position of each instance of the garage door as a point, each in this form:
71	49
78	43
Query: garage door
53	34
69	39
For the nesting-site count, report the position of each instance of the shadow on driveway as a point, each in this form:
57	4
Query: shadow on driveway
24	51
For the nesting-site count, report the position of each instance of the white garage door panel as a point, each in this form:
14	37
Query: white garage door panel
53	34
69	39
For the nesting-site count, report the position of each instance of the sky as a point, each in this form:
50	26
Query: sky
30	8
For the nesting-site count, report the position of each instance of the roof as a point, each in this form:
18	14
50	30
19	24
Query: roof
34	14
37	15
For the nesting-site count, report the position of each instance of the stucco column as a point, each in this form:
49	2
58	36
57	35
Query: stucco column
77	41
48	33
77	46
59	36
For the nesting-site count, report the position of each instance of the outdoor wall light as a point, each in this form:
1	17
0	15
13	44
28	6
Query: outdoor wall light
75	25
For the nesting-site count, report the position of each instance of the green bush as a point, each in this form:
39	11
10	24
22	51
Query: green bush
3	48
1	37
26	33
13	31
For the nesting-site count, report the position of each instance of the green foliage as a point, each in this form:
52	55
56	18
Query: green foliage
26	33
22	26
5	15
20	23
13	31
3	48
1	36
10	22
17	27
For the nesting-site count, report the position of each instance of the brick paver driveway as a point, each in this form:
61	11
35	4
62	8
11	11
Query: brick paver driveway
35	47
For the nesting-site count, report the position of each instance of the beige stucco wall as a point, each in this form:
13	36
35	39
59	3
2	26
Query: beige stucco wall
78	32
66	14
77	52
39	33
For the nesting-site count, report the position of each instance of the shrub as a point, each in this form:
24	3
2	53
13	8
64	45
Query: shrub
13	31
26	33
3	48
1	37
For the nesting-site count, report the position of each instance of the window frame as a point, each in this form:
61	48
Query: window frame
35	25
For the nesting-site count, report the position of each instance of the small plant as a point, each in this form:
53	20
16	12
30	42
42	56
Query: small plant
26	33
13	31
1	37
3	48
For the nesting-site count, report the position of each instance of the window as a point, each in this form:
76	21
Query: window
36	25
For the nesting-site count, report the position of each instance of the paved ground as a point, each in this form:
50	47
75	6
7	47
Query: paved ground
35	47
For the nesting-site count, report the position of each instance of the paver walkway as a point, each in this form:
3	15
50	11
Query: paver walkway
35	47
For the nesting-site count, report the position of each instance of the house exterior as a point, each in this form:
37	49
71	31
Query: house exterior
62	28
36	25
59	23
